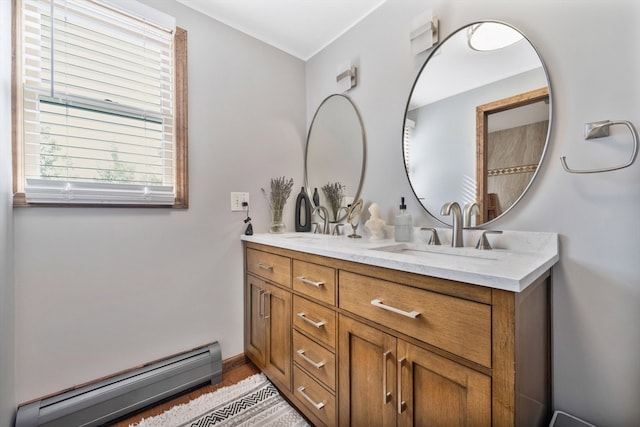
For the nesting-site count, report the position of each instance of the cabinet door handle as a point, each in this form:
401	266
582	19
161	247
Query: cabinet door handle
267	305
402	405
317	405
310	361
378	303
386	395
304	317
265	266
261	302
309	282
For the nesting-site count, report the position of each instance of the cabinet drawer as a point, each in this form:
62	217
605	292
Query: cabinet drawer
320	401
316	281
316	321
459	326
272	267
315	359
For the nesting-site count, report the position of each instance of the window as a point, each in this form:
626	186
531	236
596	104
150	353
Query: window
101	95
407	136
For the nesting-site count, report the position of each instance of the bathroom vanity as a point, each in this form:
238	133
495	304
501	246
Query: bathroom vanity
378	333
359	332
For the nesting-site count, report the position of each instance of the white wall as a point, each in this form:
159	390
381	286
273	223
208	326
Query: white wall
591	51
7	343
102	290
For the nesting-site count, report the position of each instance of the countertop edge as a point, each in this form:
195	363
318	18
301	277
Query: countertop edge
358	251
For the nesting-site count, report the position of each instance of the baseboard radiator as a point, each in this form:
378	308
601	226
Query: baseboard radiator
117	396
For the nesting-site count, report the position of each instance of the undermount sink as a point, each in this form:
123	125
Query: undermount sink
309	236
431	251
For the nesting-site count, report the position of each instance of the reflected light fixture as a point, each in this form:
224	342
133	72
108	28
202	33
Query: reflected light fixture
487	36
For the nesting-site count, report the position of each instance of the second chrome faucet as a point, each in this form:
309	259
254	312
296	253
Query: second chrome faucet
453	208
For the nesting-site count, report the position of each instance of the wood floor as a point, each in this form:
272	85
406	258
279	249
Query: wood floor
230	376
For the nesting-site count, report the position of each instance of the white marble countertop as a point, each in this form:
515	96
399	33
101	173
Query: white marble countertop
517	260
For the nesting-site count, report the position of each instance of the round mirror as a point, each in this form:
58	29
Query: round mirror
335	156
477	122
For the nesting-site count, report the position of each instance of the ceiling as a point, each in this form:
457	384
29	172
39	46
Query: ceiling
299	27
455	68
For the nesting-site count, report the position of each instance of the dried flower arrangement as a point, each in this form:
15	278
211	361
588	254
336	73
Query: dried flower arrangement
334	194
280	192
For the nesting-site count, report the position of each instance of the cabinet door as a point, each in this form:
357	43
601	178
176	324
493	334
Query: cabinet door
438	392
255	336
268	329
278	323
366	375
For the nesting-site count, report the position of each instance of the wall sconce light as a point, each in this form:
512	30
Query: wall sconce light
347	77
487	36
423	32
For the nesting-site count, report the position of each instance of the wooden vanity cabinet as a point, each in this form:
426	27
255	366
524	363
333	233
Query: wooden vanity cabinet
315	327
387	381
291	328
268	342
268	321
411	385
370	346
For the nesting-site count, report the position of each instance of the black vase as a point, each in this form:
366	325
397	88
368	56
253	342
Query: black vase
303	211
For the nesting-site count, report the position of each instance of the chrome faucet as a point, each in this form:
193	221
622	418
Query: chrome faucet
470	209
447	209
324	216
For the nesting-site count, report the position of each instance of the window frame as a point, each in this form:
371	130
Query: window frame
180	113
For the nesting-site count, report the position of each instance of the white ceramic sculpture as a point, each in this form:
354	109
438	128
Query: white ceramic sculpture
375	224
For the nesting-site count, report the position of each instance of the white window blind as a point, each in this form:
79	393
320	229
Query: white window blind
98	124
409	125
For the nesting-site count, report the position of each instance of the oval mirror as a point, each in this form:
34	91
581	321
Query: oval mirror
335	153
477	122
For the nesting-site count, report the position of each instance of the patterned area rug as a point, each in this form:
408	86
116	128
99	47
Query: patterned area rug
253	401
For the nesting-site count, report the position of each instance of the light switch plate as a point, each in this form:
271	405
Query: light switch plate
237	198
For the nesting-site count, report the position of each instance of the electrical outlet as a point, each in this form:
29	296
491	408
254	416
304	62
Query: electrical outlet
236	201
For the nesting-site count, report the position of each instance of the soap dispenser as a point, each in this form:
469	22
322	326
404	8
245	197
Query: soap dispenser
403	225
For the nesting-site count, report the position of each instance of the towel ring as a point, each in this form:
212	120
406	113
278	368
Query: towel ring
598	130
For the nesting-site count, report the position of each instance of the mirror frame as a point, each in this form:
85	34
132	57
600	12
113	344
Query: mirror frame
549	128
356	196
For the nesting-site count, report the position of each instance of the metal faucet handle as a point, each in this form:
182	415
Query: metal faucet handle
483	242
433	239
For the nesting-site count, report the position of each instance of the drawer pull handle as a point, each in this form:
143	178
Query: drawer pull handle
317	365
318	325
378	303
309	282
265	266
318	406
402	405
386	395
